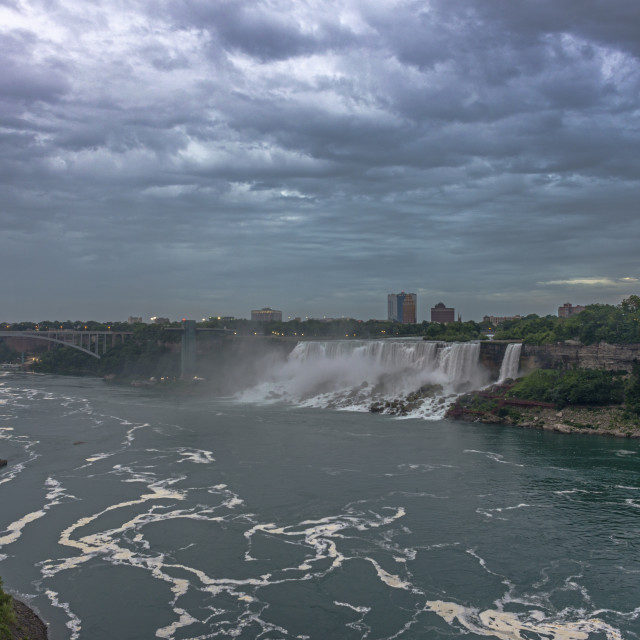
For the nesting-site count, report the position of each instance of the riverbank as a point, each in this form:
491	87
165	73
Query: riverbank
18	621
27	625
614	421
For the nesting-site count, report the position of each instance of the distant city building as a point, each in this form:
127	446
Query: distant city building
496	320
160	320
442	314
402	307
567	310
134	319
266	314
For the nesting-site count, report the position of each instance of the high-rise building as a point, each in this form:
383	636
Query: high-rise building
567	310
266	314
441	313
402	307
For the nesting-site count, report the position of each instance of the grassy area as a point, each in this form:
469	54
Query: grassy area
7	615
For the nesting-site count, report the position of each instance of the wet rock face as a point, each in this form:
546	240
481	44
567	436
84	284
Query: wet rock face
404	406
612	357
564	355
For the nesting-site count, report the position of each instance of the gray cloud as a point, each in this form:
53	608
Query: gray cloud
196	158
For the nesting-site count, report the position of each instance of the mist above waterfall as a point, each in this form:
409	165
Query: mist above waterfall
356	374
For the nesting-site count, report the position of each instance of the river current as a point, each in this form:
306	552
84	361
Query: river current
126	514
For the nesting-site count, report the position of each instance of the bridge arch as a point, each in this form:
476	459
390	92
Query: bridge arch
15	334
65	343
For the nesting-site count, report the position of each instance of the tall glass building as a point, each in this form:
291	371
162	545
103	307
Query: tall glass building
402	307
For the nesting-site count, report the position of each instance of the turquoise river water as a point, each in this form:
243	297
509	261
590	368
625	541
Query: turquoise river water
125	514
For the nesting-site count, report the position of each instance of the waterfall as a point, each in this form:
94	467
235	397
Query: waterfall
409	376
459	362
510	362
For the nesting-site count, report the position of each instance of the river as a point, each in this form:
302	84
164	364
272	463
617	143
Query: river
126	514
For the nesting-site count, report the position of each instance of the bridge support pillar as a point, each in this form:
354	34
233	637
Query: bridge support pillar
188	355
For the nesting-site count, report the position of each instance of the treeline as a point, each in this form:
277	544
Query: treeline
7	354
351	328
581	387
70	325
147	353
597	323
311	328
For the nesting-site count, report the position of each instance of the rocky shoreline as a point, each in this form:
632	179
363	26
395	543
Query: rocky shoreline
28	625
610	421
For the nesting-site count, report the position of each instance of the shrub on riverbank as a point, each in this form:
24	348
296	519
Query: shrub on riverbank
7	615
581	386
583	401
632	391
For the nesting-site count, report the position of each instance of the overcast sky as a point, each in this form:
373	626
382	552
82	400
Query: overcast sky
206	157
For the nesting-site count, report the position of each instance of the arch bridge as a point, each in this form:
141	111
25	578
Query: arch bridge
93	343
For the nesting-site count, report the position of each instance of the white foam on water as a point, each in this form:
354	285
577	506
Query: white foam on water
169	631
74	624
231	499
11	471
509	626
389	579
97	457
321	535
196	456
381	521
496	457
353	607
115	545
423	467
130	434
54	497
104	542
14	530
489	513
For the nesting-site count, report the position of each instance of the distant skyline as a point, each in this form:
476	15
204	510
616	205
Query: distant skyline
198	158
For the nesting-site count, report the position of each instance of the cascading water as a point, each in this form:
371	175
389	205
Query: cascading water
404	377
510	362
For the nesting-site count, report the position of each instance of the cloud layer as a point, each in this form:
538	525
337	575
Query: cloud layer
193	158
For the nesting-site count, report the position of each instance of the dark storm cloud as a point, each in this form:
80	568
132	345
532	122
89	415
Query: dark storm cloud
194	157
24	79
263	30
